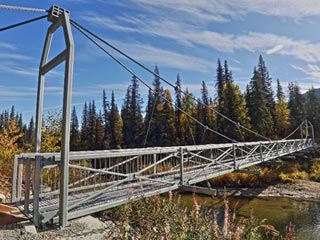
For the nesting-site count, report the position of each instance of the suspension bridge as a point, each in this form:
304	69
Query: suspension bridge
57	187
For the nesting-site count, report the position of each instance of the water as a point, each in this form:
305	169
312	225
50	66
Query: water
279	212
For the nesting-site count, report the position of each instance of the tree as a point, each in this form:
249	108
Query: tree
296	106
178	113
220	80
9	146
227	74
187	123
202	135
29	137
167	121
132	117
74	131
154	128
312	108
282	113
115	123
233	106
257	102
51	133
85	128
105	114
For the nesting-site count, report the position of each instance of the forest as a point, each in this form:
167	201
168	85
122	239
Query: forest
172	118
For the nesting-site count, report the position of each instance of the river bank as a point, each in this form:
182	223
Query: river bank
298	189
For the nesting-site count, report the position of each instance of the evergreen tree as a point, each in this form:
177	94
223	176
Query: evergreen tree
84	135
220	80
115	125
167	121
12	113
30	135
74	131
282	113
280	93
132	117
258	101
296	106
267	85
154	128
188	125
202	135
99	129
312	108
178	102
105	114
233	107
227	74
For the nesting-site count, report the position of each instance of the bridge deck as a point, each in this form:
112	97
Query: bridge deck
104	179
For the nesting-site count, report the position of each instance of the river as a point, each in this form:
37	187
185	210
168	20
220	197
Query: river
304	215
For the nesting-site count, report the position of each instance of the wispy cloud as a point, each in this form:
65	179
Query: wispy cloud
7	46
188	34
311	70
222	11
275	49
15	93
165	58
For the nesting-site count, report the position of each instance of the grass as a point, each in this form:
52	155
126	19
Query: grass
159	218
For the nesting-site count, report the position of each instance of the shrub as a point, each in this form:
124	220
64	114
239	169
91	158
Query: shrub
158	218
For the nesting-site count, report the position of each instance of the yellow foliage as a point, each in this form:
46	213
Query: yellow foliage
8	145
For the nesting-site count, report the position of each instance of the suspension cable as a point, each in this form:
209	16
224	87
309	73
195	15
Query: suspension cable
22	23
17	8
145	84
294	131
163	79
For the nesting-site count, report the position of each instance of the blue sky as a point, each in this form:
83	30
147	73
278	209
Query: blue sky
182	36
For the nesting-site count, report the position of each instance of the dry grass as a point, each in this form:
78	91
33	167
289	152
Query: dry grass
158	218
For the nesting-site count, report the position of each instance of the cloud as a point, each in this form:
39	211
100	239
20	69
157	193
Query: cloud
164	58
275	49
223	11
7	46
15	93
312	71
192	36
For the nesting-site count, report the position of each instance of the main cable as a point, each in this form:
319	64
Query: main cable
17	8
145	84
166	81
22	23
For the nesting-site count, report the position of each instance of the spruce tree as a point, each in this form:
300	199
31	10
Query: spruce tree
178	102
74	131
105	113
202	134
220	80
312	107
187	123
296	106
168	121
154	128
115	123
84	135
260	102
282	113
132	117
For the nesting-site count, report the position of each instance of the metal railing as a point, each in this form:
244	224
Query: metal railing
98	180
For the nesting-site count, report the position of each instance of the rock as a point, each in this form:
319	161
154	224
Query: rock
2	198
91	223
30	228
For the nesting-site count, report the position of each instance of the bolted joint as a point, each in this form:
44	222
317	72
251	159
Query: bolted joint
55	12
